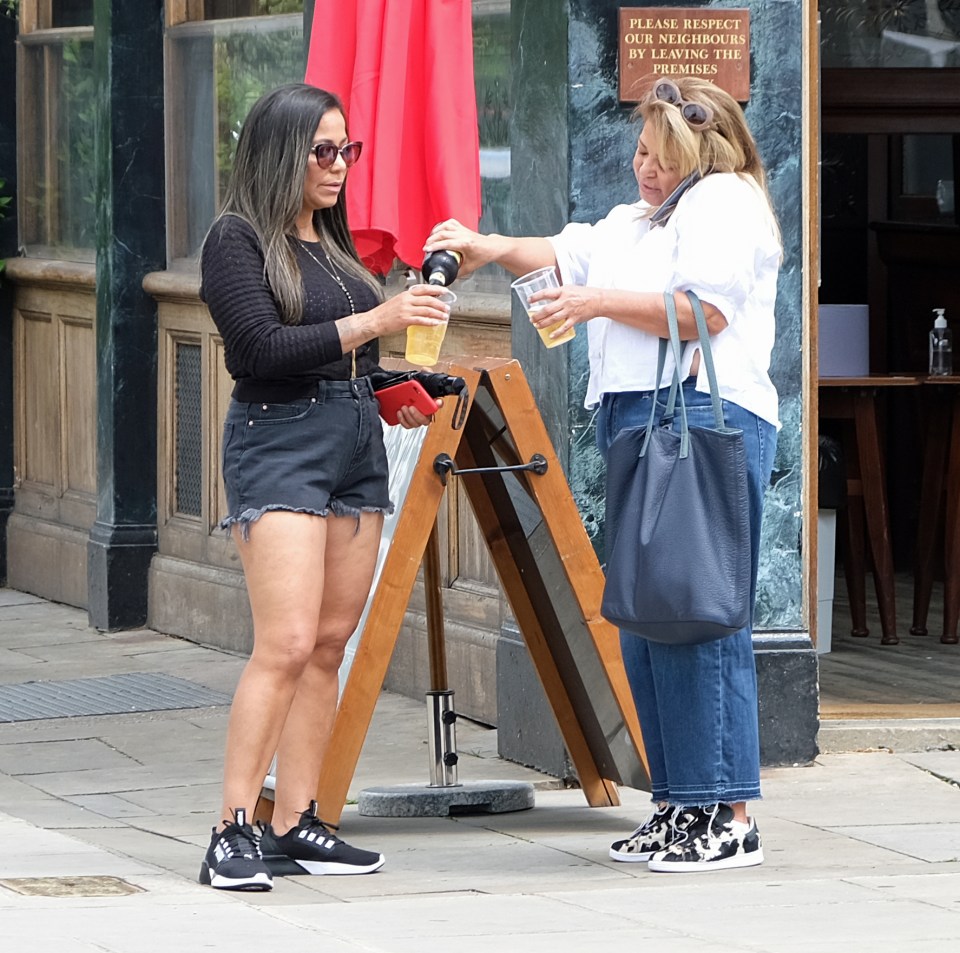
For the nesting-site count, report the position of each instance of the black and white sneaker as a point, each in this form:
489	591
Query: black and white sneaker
709	839
312	847
233	860
654	834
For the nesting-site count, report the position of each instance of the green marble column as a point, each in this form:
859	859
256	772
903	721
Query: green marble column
8	248
128	47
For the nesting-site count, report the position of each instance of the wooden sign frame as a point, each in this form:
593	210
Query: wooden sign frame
548	570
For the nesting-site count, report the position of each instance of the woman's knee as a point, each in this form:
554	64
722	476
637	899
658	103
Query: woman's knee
287	652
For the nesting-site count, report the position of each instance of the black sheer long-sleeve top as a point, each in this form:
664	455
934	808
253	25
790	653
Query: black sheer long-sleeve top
261	352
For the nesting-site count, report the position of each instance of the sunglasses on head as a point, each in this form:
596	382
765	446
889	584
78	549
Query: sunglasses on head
697	115
326	153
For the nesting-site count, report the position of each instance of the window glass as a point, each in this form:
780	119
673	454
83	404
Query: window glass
890	33
71	13
923	188
492	76
215	74
57	174
228	9
927	159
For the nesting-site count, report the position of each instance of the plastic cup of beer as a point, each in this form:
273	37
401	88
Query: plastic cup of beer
423	342
529	285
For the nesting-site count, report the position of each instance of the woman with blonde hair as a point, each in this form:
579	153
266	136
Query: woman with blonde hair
703	223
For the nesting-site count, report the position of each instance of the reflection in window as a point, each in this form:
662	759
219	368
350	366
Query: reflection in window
491	67
227	9
926	160
216	72
890	33
71	13
57	175
922	167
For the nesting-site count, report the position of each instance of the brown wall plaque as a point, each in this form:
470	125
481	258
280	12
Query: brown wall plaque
710	42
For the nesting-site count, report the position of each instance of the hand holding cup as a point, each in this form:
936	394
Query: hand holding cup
527	286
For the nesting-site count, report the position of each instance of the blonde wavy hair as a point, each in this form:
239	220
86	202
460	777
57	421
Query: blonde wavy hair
724	145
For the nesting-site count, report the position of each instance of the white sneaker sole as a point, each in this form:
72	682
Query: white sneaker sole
753	859
261	881
320	868
635	858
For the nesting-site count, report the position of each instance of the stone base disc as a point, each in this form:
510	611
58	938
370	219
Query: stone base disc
424	800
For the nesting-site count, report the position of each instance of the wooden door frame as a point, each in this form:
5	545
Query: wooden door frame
811	286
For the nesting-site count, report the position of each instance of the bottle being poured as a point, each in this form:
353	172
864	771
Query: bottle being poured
441	267
423	343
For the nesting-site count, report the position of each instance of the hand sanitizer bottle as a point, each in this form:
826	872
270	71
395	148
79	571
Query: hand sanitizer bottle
941	347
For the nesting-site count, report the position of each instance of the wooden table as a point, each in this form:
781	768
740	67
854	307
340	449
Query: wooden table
853	400
939	499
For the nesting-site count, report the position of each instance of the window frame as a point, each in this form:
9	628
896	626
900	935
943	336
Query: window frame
184	20
39	102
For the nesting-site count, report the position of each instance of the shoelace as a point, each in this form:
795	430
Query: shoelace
654	821
313	822
237	838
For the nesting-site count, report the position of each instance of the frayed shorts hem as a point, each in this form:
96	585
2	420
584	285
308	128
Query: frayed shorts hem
335	508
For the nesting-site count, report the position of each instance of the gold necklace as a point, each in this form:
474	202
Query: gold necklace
333	274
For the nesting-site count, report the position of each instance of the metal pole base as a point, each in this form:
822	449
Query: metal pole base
424	800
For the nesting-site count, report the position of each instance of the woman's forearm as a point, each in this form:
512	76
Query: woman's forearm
646	311
521	255
516	255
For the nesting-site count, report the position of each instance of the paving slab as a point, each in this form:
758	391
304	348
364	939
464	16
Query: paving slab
862	849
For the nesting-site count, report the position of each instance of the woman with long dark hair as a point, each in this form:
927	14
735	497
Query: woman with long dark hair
304	466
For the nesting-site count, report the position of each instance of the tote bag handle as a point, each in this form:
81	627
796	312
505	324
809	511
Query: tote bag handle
674	343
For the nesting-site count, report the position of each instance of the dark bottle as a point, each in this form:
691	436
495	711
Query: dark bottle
441	267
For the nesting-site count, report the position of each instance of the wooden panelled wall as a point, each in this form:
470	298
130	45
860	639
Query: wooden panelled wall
54	428
196	586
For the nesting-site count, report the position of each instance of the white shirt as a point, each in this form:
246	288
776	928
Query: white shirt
720	242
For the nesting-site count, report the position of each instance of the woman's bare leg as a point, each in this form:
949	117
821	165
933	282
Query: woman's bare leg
351	556
283	564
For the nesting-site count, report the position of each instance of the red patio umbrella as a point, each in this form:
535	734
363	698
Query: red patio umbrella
404	70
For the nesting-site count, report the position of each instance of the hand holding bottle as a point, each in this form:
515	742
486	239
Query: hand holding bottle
473	249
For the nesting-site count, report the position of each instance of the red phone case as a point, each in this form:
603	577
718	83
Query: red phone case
405	394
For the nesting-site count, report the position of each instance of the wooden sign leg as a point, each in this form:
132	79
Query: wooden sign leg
514	399
494	512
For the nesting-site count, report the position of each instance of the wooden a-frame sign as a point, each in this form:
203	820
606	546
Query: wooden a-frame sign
548	570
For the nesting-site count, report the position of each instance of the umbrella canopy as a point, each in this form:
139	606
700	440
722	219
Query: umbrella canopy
405	74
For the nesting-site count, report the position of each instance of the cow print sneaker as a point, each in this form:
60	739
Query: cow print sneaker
709	839
654	834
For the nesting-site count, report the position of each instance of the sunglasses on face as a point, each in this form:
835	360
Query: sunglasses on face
326	153
697	115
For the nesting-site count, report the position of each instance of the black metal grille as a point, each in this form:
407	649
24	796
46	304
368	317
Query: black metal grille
106	695
189	445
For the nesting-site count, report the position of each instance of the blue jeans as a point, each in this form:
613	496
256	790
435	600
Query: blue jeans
697	704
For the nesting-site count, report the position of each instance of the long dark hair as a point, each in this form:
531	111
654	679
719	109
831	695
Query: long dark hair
266	190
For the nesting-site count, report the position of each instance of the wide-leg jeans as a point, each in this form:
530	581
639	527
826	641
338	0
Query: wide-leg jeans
697	704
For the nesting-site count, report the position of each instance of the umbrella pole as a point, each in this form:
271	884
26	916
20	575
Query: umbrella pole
441	717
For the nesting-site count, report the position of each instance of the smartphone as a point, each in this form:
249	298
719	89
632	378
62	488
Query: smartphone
405	394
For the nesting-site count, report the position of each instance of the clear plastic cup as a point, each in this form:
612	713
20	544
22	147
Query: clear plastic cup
423	342
528	285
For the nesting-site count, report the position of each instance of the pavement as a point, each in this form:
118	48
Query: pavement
104	819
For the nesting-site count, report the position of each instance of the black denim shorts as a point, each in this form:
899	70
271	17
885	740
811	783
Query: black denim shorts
320	454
